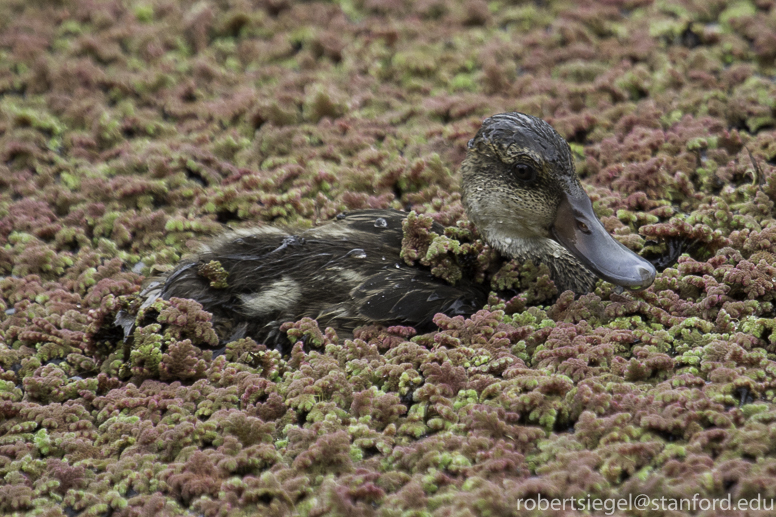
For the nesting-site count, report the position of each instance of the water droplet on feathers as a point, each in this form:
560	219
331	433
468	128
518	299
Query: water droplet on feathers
357	253
381	223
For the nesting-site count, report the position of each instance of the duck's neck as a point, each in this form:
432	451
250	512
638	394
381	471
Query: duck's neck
566	271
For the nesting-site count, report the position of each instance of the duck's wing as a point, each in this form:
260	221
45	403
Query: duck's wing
412	296
346	274
397	294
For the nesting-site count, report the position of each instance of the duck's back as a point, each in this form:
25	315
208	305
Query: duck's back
345	274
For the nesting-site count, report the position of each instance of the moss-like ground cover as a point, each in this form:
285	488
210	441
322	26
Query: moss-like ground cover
129	130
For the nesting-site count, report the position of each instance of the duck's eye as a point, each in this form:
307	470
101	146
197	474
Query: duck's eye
583	227
524	172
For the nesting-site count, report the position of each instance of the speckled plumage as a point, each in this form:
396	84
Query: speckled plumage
522	217
516	218
344	274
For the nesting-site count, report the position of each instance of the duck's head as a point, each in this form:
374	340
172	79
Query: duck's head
520	189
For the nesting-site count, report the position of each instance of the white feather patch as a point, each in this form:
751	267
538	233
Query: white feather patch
279	295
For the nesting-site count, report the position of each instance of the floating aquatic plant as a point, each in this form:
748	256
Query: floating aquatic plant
131	131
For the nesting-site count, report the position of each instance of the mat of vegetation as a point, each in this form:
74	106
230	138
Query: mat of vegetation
130	130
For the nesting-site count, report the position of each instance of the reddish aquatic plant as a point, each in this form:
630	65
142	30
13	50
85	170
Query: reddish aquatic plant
130	132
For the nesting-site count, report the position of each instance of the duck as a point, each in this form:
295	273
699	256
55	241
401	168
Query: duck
519	188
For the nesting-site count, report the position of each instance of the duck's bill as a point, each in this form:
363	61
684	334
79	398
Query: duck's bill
580	231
